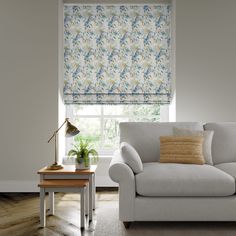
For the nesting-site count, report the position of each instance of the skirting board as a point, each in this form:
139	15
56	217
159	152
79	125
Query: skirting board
32	186
18	186
105	181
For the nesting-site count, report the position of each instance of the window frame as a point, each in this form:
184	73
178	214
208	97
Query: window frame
164	117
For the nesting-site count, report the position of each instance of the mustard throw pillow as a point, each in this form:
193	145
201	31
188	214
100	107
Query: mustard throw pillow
181	149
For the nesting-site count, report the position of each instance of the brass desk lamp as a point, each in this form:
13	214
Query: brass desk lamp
71	131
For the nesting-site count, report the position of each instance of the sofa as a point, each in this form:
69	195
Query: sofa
172	191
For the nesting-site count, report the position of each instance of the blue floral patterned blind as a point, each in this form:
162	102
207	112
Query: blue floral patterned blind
117	54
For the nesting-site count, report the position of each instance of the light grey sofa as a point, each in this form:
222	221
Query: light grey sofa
176	192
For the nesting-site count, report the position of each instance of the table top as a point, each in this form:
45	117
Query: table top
68	169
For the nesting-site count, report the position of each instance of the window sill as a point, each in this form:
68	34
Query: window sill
71	160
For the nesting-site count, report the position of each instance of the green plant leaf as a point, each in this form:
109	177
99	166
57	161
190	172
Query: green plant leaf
72	152
82	150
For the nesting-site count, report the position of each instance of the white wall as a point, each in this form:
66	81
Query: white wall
28	89
205	60
205	71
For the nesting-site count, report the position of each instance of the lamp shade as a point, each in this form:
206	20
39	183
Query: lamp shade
71	130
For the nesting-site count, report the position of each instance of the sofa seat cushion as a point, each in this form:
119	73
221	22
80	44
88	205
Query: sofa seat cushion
229	168
169	179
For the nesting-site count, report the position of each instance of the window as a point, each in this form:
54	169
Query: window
116	54
99	124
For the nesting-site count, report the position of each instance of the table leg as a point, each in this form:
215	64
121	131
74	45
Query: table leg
82	208
94	191
51	203
42	208
86	200
90	197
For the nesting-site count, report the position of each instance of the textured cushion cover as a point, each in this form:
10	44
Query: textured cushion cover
131	157
144	136
168	179
206	146
223	142
181	149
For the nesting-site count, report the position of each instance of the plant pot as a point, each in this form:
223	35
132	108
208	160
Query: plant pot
82	166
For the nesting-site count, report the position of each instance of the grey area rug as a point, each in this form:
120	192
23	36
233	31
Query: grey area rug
108	224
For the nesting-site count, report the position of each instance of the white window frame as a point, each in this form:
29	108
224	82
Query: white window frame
164	117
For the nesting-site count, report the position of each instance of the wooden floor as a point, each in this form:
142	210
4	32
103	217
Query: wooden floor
19	216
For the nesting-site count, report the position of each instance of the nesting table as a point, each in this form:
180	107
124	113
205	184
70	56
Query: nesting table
68	180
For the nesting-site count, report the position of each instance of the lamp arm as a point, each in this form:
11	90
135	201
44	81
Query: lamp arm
55	132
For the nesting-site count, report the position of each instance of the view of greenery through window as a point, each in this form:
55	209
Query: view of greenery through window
99	124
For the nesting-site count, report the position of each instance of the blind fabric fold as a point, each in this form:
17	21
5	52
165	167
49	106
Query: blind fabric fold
117	54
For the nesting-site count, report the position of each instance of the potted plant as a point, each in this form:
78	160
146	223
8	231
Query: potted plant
85	155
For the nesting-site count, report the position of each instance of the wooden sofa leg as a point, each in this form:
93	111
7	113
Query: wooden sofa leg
127	224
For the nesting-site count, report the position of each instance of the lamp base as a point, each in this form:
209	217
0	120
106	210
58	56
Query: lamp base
55	166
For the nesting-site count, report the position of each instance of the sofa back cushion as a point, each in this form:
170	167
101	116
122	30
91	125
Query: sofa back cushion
223	142
144	136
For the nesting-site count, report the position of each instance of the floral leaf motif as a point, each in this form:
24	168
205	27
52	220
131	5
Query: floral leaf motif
117	54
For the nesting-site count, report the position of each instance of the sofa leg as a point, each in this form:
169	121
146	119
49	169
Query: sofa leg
127	224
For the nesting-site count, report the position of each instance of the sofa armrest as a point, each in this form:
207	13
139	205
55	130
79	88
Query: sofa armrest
123	174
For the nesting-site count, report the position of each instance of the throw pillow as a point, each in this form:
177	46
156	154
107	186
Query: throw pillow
206	146
182	149
131	157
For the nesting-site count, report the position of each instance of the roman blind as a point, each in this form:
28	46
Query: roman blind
117	54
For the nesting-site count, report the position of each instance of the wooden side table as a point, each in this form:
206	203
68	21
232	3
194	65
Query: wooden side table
69	173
